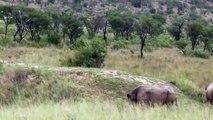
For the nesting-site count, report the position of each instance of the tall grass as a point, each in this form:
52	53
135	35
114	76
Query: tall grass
104	110
33	86
29	55
190	75
162	63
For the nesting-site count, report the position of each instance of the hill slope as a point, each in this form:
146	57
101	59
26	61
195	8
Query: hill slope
202	8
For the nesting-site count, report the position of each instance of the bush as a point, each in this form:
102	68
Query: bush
6	41
161	41
119	44
54	38
200	54
91	56
81	43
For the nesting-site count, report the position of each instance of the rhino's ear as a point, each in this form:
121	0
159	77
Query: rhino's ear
128	96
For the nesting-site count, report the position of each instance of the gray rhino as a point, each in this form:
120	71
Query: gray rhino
209	93
151	95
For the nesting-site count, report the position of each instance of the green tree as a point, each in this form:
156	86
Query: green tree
207	38
147	27
176	30
159	18
38	1
176	27
21	19
194	29
72	27
93	24
136	3
38	22
6	16
51	1
55	14
121	22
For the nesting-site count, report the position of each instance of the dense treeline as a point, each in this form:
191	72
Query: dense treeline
68	25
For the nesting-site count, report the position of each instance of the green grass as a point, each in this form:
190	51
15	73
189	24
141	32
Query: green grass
105	110
190	75
82	94
33	86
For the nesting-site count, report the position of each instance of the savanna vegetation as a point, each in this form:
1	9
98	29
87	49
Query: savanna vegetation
57	58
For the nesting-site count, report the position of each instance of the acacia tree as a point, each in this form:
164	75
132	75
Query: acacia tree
194	29
121	22
21	19
93	24
72	27
55	14
37	23
6	16
147	27
29	20
207	38
176	27
136	3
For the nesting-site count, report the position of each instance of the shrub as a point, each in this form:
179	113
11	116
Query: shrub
54	38
162	41
200	54
80	43
91	56
119	44
6	41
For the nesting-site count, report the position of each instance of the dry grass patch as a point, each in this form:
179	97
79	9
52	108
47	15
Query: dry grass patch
43	56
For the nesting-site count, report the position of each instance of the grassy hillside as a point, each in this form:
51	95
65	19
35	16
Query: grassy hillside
195	8
83	93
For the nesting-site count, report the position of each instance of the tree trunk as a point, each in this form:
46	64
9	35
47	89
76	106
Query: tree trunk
6	25
127	35
14	36
179	31
193	44
205	47
142	45
105	31
6	29
20	38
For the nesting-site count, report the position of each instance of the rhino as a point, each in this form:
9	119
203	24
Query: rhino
209	93
151	95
